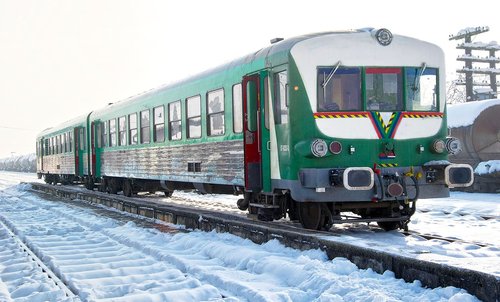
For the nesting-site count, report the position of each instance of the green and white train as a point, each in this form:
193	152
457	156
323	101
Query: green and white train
312	127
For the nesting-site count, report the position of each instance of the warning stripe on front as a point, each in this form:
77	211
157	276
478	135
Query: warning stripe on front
340	115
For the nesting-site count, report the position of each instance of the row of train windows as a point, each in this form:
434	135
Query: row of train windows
115	132
58	144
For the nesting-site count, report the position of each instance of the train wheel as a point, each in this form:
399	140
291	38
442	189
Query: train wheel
89	183
127	188
113	187
388	225
293	210
311	216
103	185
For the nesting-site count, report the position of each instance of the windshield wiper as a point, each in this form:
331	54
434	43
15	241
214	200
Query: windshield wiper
330	75
416	81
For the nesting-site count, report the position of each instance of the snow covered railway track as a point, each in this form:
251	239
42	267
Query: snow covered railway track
447	239
18	259
366	251
94	262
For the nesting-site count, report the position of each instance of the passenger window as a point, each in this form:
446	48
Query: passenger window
122	128
63	143
104	134
193	112
281	97
70	138
132	124
82	139
175	123
145	127
237	109
339	89
112	133
215	112
159	124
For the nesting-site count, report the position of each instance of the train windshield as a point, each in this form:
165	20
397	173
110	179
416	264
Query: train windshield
339	88
421	90
384	89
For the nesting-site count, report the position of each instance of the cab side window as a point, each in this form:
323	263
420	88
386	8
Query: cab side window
281	97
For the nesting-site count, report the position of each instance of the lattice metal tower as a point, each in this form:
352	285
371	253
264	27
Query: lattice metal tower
469	70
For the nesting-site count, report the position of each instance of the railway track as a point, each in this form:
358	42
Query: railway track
94	263
16	251
336	243
208	205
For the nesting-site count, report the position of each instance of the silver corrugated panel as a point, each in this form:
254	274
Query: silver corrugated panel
220	163
59	164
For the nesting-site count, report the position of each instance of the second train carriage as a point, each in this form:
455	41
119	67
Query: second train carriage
312	127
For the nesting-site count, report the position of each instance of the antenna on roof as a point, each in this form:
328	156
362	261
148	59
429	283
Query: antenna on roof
276	40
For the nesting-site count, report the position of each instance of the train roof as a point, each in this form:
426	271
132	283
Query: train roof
75	122
282	47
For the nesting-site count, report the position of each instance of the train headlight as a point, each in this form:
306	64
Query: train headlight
319	148
383	36
453	145
458	175
438	146
335	147
358	178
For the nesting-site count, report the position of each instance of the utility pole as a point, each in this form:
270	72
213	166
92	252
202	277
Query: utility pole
469	70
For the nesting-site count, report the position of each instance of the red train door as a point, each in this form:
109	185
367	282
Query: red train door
252	133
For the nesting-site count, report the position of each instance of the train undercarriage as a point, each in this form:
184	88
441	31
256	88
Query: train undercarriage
388	214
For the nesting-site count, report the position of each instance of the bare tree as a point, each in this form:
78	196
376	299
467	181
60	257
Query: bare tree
455	93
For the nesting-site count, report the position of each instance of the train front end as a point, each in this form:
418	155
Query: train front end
367	129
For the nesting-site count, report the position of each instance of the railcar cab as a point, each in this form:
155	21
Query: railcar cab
363	131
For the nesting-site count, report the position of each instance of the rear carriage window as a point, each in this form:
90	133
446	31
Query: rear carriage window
104	134
63	143
145	133
122	134
159	124
215	112
193	113
281	97
384	89
112	132
339	89
421	89
174	118
237	109
82	139
70	141
132	133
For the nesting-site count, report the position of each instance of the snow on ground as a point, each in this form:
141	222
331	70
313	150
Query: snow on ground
223	267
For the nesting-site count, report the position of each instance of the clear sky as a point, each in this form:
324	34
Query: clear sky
62	58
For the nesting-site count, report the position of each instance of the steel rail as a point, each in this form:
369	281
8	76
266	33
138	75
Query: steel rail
58	282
